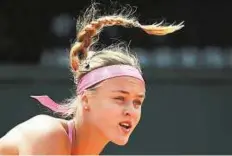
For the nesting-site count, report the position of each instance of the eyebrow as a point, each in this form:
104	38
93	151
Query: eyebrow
126	92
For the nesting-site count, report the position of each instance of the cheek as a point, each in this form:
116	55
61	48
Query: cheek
137	116
106	110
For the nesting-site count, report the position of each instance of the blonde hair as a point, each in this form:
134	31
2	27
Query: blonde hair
85	58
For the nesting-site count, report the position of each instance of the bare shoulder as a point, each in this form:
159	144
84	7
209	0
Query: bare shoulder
41	134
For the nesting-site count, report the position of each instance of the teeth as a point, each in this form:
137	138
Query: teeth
125	124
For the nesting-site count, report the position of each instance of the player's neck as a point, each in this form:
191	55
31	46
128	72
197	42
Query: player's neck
89	141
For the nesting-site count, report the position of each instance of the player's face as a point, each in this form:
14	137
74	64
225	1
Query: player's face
115	108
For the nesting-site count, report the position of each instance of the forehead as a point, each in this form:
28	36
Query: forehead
126	83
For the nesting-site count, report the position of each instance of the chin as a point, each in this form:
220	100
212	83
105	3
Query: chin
120	141
121	144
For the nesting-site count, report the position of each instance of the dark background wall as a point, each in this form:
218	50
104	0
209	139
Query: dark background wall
189	84
26	25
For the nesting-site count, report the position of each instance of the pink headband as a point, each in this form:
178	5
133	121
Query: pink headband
93	78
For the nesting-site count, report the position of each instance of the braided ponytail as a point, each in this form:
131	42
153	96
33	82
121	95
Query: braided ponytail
92	28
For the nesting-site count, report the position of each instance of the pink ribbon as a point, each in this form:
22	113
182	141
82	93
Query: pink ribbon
49	103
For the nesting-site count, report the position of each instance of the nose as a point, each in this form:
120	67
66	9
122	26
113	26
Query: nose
130	111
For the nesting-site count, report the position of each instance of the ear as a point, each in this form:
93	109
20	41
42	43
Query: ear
85	100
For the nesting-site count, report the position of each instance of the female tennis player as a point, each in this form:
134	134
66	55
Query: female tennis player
110	90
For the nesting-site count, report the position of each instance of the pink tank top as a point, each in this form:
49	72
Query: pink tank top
70	130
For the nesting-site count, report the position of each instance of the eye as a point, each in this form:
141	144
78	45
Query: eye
137	103
120	98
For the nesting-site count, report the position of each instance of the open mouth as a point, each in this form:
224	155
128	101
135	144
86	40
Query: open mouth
126	126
